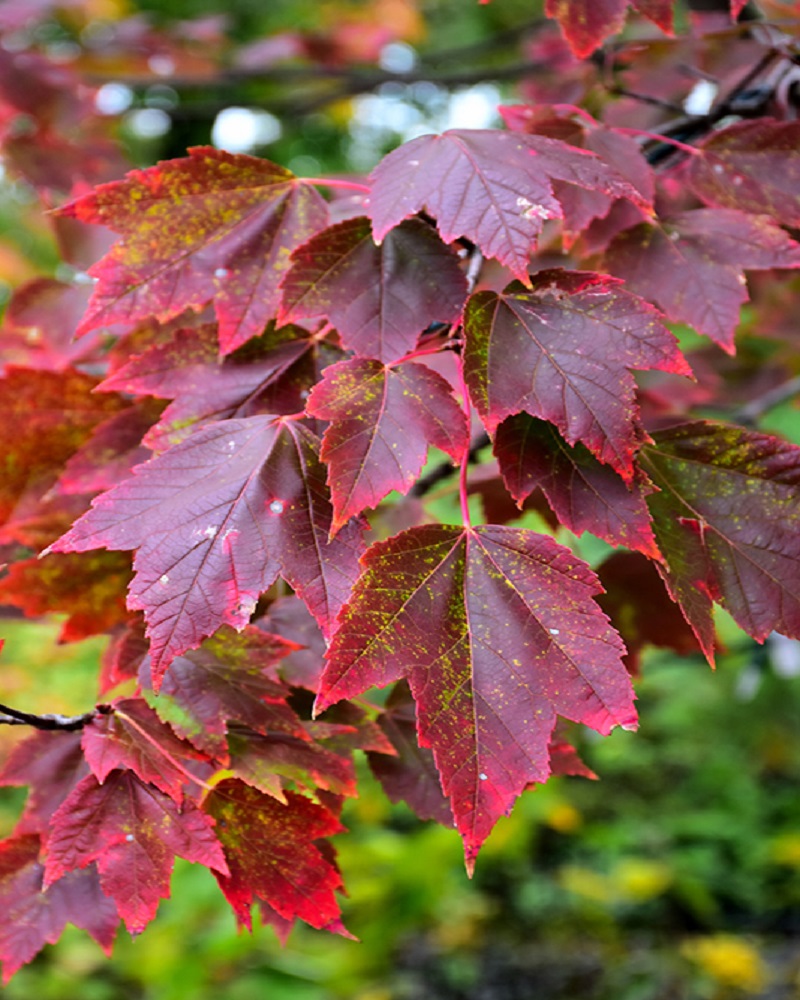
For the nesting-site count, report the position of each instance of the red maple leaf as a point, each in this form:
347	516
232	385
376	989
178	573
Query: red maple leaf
753	166
212	225
727	520
455	178
587	23
559	351
692	266
383	418
214	520
34	916
497	632
132	831
379	298
282	866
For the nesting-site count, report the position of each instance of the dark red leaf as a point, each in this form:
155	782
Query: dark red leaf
692	266
455	177
131	736
560	351
727	520
34	917
753	166
379	298
52	764
206	387
587	23
289	618
411	775
497	632
232	677
212	225
382	420
215	519
281	866
585	495
132	831
640	608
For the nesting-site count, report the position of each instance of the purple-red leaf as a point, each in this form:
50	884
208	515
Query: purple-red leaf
692	266
52	764
727	519
132	831
497	632
214	520
382	420
212	225
587	23
205	387
495	188
560	351
379	298
132	736
585	495
34	917
753	166
272	856
232	677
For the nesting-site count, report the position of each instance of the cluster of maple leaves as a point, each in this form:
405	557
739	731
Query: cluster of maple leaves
258	368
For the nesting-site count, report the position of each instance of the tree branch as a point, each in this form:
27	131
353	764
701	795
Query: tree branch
48	721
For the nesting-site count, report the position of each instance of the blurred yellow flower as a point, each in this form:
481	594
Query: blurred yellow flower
729	960
563	817
786	850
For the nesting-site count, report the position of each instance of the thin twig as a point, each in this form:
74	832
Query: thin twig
49	721
750	412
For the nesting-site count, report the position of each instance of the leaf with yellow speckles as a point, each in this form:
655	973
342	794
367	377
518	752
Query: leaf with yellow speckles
584	494
379	298
561	351
133	832
382	420
212	225
493	187
214	520
727	519
692	265
498	633
272	856
587	23
231	678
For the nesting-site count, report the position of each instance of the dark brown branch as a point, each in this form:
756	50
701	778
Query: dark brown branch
443	471
750	412
48	721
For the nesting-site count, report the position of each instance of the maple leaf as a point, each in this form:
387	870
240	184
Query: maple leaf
52	763
229	678
753	166
692	265
44	418
34	916
212	225
259	377
281	866
410	776
131	736
88	587
496	630
132	831
495	188
727	520
580	205
267	761
560	351
587	23
289	618
379	298
585	495
214	520
640	608
382	420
